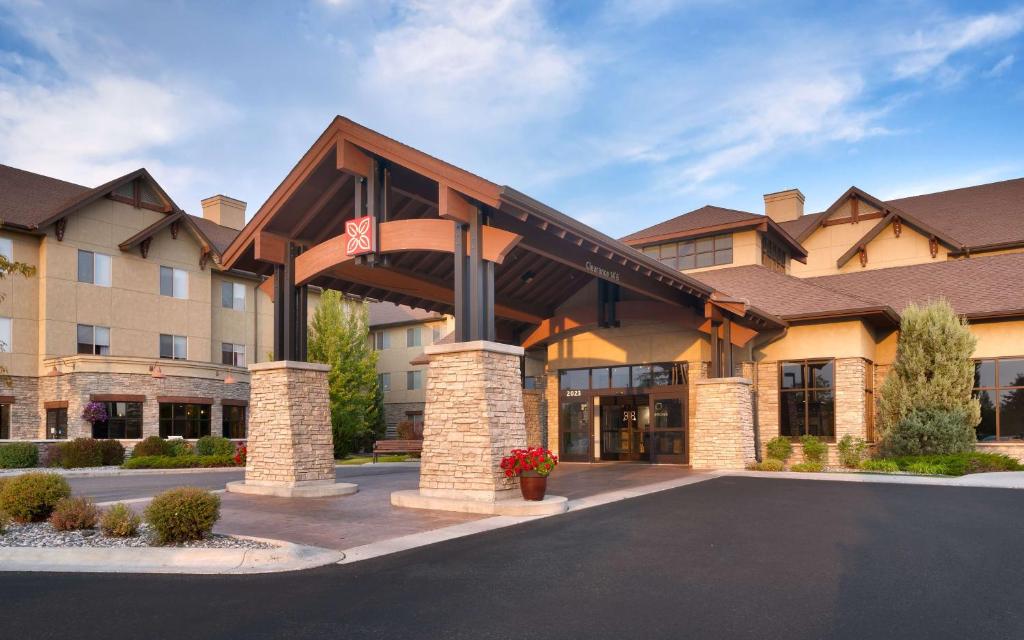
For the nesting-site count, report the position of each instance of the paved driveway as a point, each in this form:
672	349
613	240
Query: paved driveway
727	558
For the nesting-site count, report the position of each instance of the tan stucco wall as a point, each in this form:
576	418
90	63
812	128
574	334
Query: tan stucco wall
395	359
845	339
886	250
21	304
636	343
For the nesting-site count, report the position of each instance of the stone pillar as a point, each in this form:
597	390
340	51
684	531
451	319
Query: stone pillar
473	417
532	399
767	402
290	446
553	409
723	430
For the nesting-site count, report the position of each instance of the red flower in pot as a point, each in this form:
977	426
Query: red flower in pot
532	466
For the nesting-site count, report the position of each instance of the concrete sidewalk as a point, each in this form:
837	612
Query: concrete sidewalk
991	480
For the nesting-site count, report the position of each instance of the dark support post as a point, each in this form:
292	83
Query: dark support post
462	320
279	294
727	347
489	331
602	303
302	323
716	363
476	278
287	299
612	315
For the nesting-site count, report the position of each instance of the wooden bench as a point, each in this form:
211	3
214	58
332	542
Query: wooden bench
396	446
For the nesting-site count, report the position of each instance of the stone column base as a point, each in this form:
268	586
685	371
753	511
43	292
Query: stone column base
723	426
504	506
306	489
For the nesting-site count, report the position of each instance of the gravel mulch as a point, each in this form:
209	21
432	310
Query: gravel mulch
60	470
41	534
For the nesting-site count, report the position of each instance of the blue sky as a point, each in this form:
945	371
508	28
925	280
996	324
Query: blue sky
618	113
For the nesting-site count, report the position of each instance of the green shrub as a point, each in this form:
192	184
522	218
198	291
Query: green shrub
119	521
183	514
111	452
31	497
851	451
884	466
930	431
814	449
72	514
18	455
768	464
177	462
152	446
779	448
81	452
926	468
179	447
958	464
3	523
214	446
809	466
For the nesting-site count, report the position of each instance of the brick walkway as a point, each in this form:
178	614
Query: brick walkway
342	523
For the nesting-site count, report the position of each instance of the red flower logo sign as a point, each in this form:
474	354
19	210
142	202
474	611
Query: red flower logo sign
360	236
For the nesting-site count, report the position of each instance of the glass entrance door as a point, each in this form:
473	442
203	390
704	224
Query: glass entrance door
668	429
575	431
625	428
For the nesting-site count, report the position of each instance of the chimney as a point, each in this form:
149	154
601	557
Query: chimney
784	206
225	211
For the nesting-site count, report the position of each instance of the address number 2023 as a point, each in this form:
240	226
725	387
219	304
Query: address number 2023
573	393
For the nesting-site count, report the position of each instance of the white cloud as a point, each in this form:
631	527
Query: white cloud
470	66
926	50
1001	67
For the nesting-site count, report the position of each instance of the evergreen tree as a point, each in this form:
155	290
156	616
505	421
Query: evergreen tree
925	404
338	337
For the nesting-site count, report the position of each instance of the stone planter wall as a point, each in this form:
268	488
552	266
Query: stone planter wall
723	427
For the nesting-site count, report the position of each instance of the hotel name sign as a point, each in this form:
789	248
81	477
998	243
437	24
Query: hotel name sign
602	272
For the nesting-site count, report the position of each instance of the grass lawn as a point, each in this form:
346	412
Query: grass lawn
364	459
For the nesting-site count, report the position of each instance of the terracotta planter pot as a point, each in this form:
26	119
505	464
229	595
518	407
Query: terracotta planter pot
533	486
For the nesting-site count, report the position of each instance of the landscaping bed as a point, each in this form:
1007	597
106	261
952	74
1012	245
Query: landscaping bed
42	534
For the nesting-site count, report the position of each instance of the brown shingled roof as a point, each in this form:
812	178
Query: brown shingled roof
788	297
28	198
706	216
383	314
976	287
219	235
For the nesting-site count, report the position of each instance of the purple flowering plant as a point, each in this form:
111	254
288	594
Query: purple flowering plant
95	412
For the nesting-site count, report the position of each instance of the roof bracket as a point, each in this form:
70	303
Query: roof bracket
933	246
863	256
897	226
174	229
204	259
61	226
144	247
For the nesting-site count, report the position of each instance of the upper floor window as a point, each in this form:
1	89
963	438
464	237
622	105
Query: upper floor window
384	381
773	255
232	295
173	347
93	340
94	268
5	335
413	337
693	254
381	340
174	282
999	387
7	249
807	398
414	380
233	354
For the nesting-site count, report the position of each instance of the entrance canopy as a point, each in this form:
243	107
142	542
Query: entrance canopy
371	217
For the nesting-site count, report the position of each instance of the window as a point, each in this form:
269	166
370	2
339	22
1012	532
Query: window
806	398
773	255
93	340
435	335
381	340
5	422
7	249
413	380
234	422
94	268
999	387
5	335
124	420
691	254
661	374
233	354
415	418
384	381
189	421
173	347
57	424
232	295
174	283
412	337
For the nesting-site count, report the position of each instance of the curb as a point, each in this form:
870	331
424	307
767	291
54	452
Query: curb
109	473
977	480
286	557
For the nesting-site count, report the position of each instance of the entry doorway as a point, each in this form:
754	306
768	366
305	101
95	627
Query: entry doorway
625	427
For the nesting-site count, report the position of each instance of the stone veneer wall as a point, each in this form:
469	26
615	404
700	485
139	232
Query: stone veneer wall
553	402
532	410
290	439
723	429
28	413
474	417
